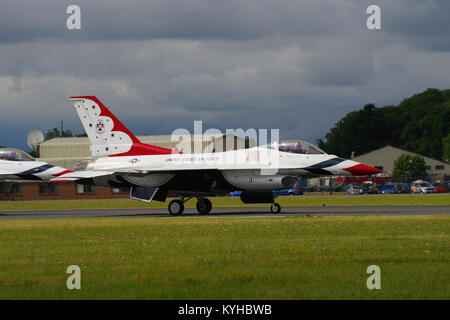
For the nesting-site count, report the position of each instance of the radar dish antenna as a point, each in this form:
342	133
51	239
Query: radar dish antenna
34	138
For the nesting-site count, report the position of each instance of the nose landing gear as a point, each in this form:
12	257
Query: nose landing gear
275	208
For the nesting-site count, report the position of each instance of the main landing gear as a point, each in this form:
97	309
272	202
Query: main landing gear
176	207
204	206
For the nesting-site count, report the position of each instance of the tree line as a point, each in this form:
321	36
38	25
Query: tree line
56	133
420	124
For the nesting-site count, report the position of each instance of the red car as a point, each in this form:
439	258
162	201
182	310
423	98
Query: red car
441	187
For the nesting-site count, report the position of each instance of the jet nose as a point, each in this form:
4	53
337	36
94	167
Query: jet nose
362	170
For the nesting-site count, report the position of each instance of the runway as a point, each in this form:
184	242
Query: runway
243	212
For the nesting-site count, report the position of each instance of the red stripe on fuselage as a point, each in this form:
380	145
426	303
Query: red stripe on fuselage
61	173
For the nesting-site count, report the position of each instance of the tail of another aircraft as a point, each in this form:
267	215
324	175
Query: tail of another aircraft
108	136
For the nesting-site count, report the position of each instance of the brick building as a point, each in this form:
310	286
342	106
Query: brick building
22	191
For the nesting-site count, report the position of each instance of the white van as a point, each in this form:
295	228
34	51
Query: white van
421	186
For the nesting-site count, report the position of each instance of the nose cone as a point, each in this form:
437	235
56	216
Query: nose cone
362	170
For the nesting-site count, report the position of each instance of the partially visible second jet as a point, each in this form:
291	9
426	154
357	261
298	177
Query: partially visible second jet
17	165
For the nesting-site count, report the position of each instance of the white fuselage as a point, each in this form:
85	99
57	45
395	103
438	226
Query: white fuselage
269	161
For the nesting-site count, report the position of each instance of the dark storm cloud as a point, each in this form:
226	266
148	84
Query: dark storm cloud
290	64
184	19
416	17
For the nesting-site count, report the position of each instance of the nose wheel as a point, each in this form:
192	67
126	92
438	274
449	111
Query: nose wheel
275	208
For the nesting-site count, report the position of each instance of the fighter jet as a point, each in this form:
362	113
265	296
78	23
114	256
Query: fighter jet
120	159
18	165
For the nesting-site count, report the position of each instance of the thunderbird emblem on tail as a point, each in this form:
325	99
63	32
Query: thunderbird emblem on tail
100	126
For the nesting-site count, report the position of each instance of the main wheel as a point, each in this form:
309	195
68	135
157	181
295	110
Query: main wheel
176	207
204	206
275	208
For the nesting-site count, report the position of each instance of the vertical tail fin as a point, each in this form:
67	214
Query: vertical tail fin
108	136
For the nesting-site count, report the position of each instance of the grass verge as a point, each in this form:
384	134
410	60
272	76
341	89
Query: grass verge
226	258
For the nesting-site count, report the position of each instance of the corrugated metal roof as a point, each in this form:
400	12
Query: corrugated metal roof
385	157
65	152
70	140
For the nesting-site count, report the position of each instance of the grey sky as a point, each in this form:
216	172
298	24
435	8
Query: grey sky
289	64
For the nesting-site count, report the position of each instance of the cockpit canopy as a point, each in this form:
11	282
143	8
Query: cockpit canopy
14	155
297	146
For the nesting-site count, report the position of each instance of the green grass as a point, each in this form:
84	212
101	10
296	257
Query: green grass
335	200
226	258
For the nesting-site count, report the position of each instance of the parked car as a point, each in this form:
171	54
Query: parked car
403	187
421	186
354	189
442	186
235	193
288	192
313	188
370	187
389	188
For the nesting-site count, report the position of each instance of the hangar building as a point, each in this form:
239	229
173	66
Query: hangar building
383	159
